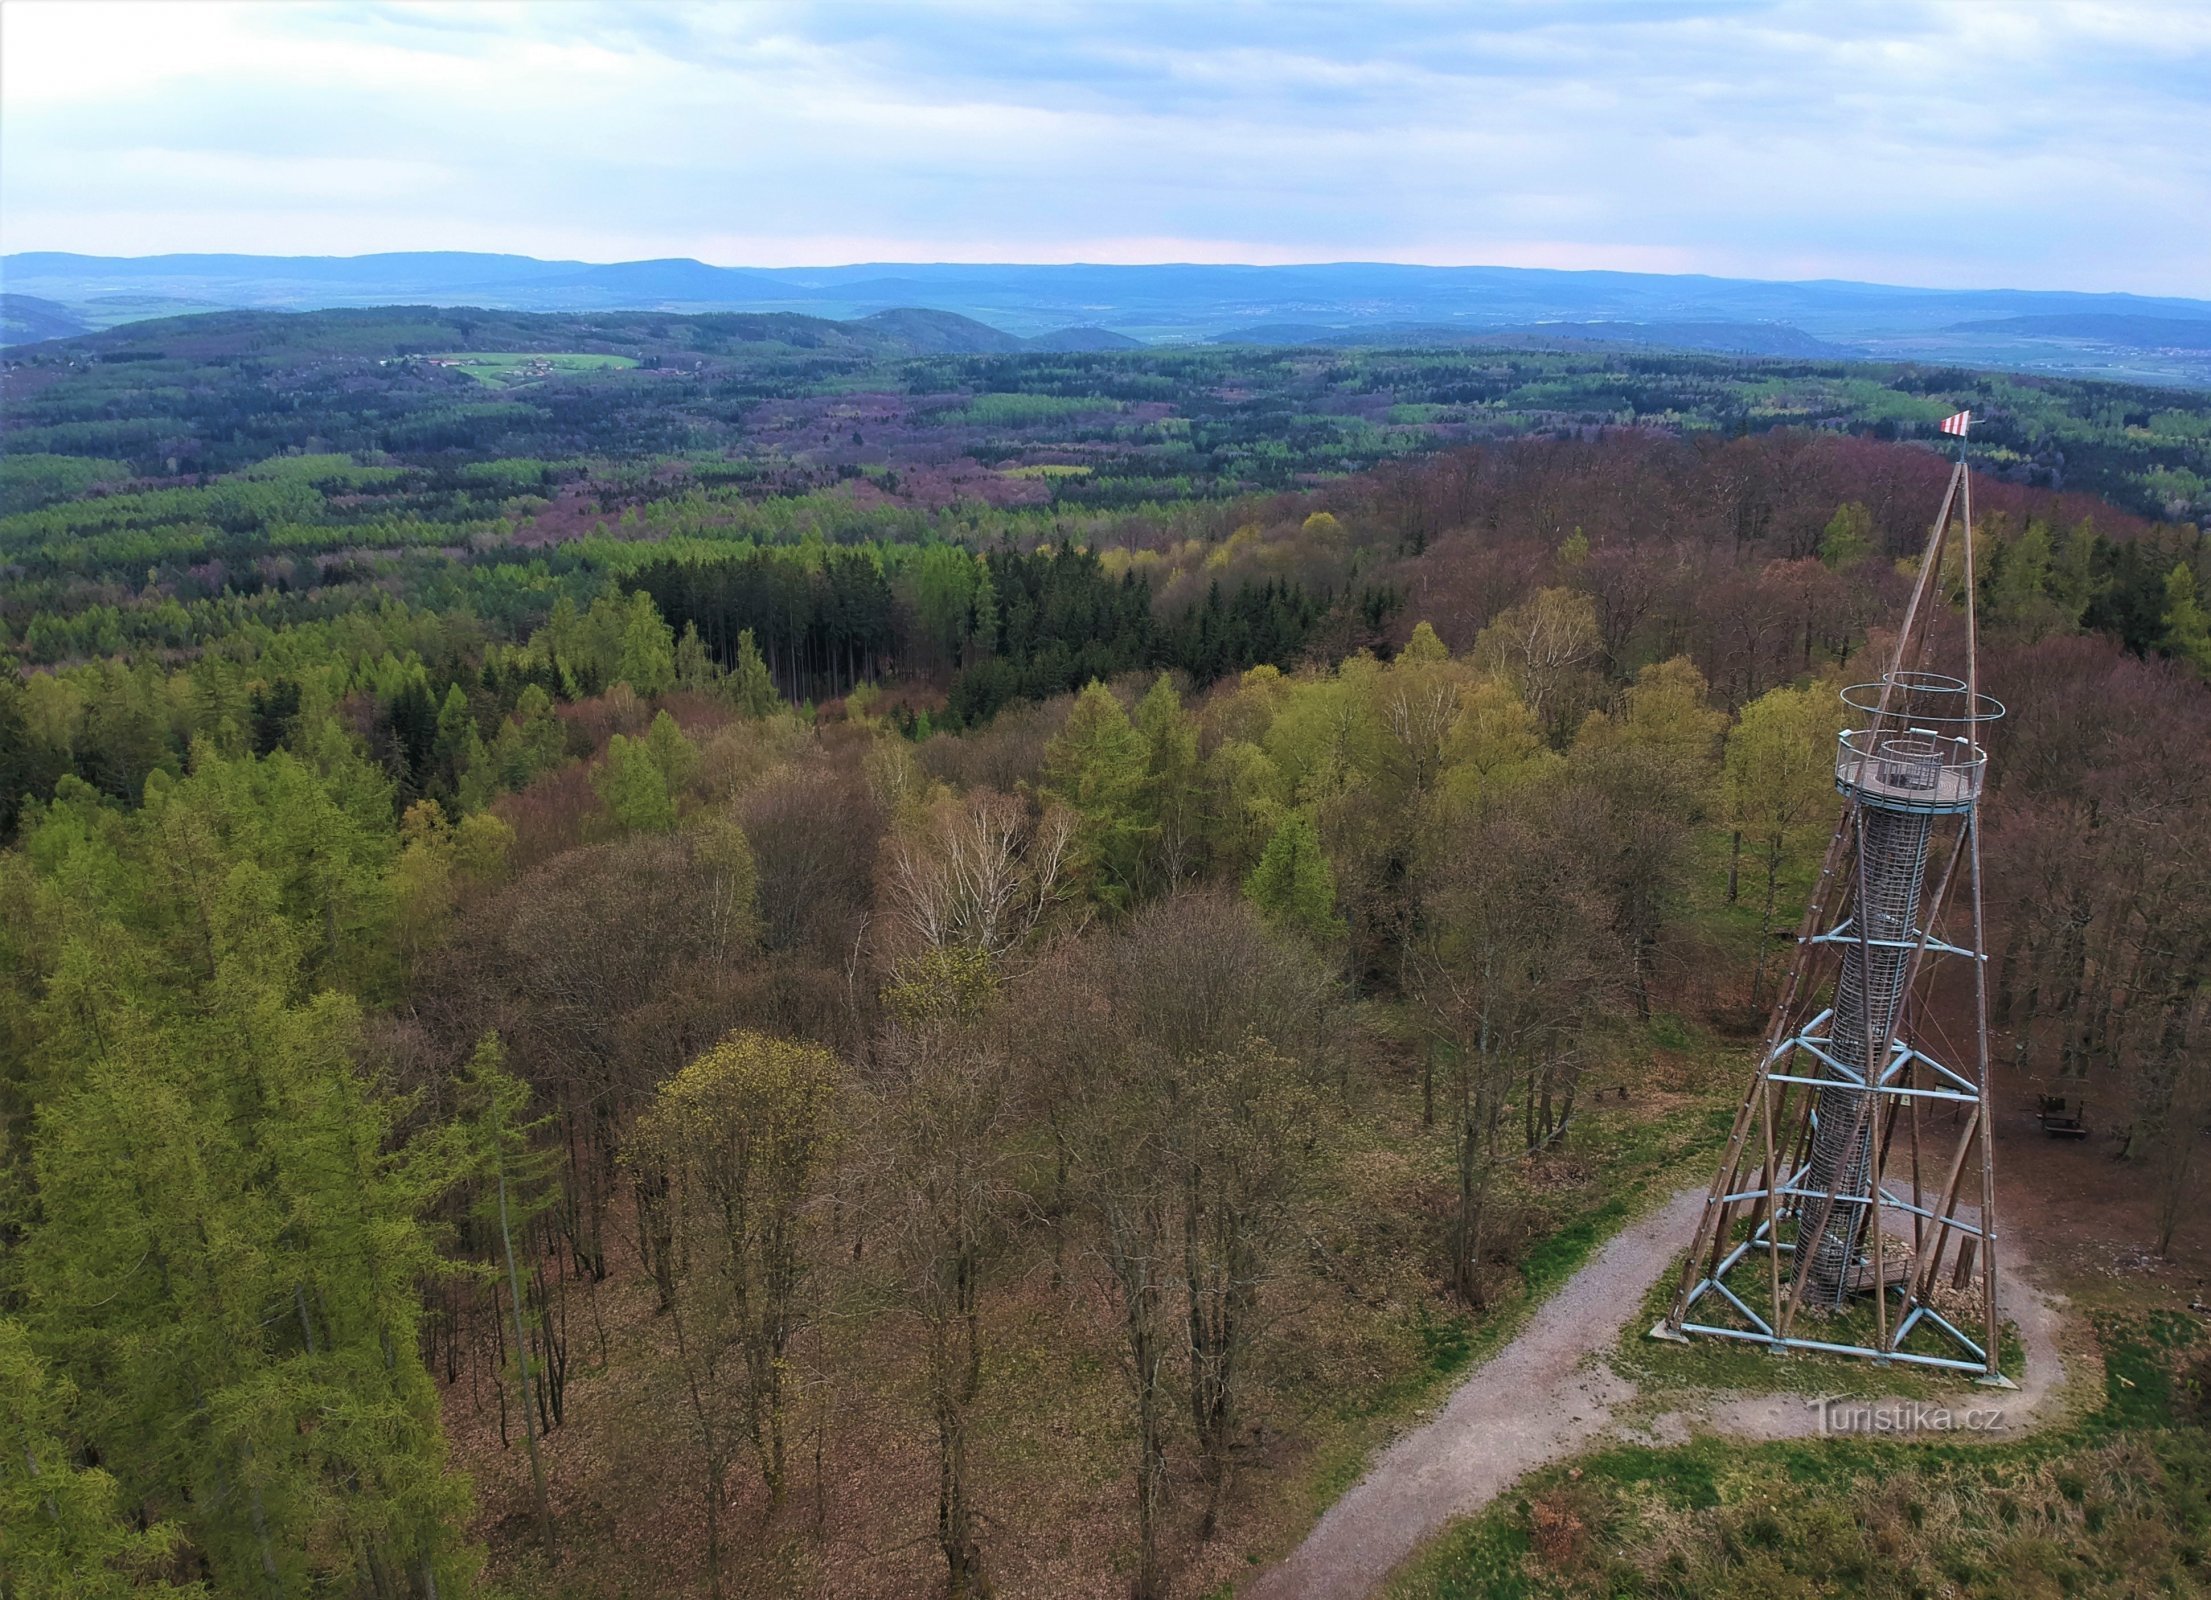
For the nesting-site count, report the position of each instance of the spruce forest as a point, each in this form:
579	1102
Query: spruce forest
794	960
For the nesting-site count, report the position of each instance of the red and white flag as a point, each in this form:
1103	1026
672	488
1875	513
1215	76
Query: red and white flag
1957	424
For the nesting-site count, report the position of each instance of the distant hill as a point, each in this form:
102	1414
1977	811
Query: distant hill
388	332
2137	333
1079	339
1738	338
25	318
939	332
2137	337
1282	333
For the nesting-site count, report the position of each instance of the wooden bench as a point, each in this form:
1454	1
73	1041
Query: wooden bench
2062	1118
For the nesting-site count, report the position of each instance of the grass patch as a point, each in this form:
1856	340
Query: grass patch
504	368
1631	1159
1027	410
2118	1504
1661	1368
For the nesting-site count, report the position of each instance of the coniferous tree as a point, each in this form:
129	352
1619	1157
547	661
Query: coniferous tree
694	667
1097	767
1171	804
751	686
647	662
64	1531
226	1256
2187	625
1292	884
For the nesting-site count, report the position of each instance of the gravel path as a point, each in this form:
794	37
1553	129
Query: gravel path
1530	1403
1541	1397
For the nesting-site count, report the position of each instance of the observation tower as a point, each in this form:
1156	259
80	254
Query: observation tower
1855	1209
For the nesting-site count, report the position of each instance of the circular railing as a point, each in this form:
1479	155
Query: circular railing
1923	699
1915	769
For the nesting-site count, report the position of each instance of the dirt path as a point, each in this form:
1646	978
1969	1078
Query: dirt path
1530	1403
1542	1397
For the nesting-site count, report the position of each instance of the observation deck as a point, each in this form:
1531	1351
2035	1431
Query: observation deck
1921	754
1917	770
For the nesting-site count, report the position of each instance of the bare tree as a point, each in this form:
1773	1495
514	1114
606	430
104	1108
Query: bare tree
1544	647
979	873
1190	1043
1519	959
938	1173
740	1137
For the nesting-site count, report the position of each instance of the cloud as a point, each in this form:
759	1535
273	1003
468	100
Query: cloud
2002	142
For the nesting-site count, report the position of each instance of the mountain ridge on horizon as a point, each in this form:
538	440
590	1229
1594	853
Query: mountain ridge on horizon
799	272
2143	338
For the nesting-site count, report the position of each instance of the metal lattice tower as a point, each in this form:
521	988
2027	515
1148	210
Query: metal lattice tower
1842	1195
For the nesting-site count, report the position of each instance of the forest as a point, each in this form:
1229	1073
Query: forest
820	969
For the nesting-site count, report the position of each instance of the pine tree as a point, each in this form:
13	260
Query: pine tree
1292	885
2187	628
458	748
227	1257
982	630
751	687
530	743
648	650
1096	765
64	1533
1170	805
695	668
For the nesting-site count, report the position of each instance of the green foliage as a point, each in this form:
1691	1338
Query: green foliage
696	672
64	1532
648	653
499	368
943	983
2026	595
1545	648
1848	539
1028	410
1777	777
528	743
29	479
2187	625
1172	801
641	779
1097	767
1293	884
750	687
324	635
226	1254
1423	646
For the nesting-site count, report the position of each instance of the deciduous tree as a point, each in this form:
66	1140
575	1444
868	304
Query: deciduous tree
741	1136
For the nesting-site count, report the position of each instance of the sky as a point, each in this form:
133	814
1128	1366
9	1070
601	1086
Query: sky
1970	143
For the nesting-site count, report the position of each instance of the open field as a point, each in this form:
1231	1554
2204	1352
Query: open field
504	369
